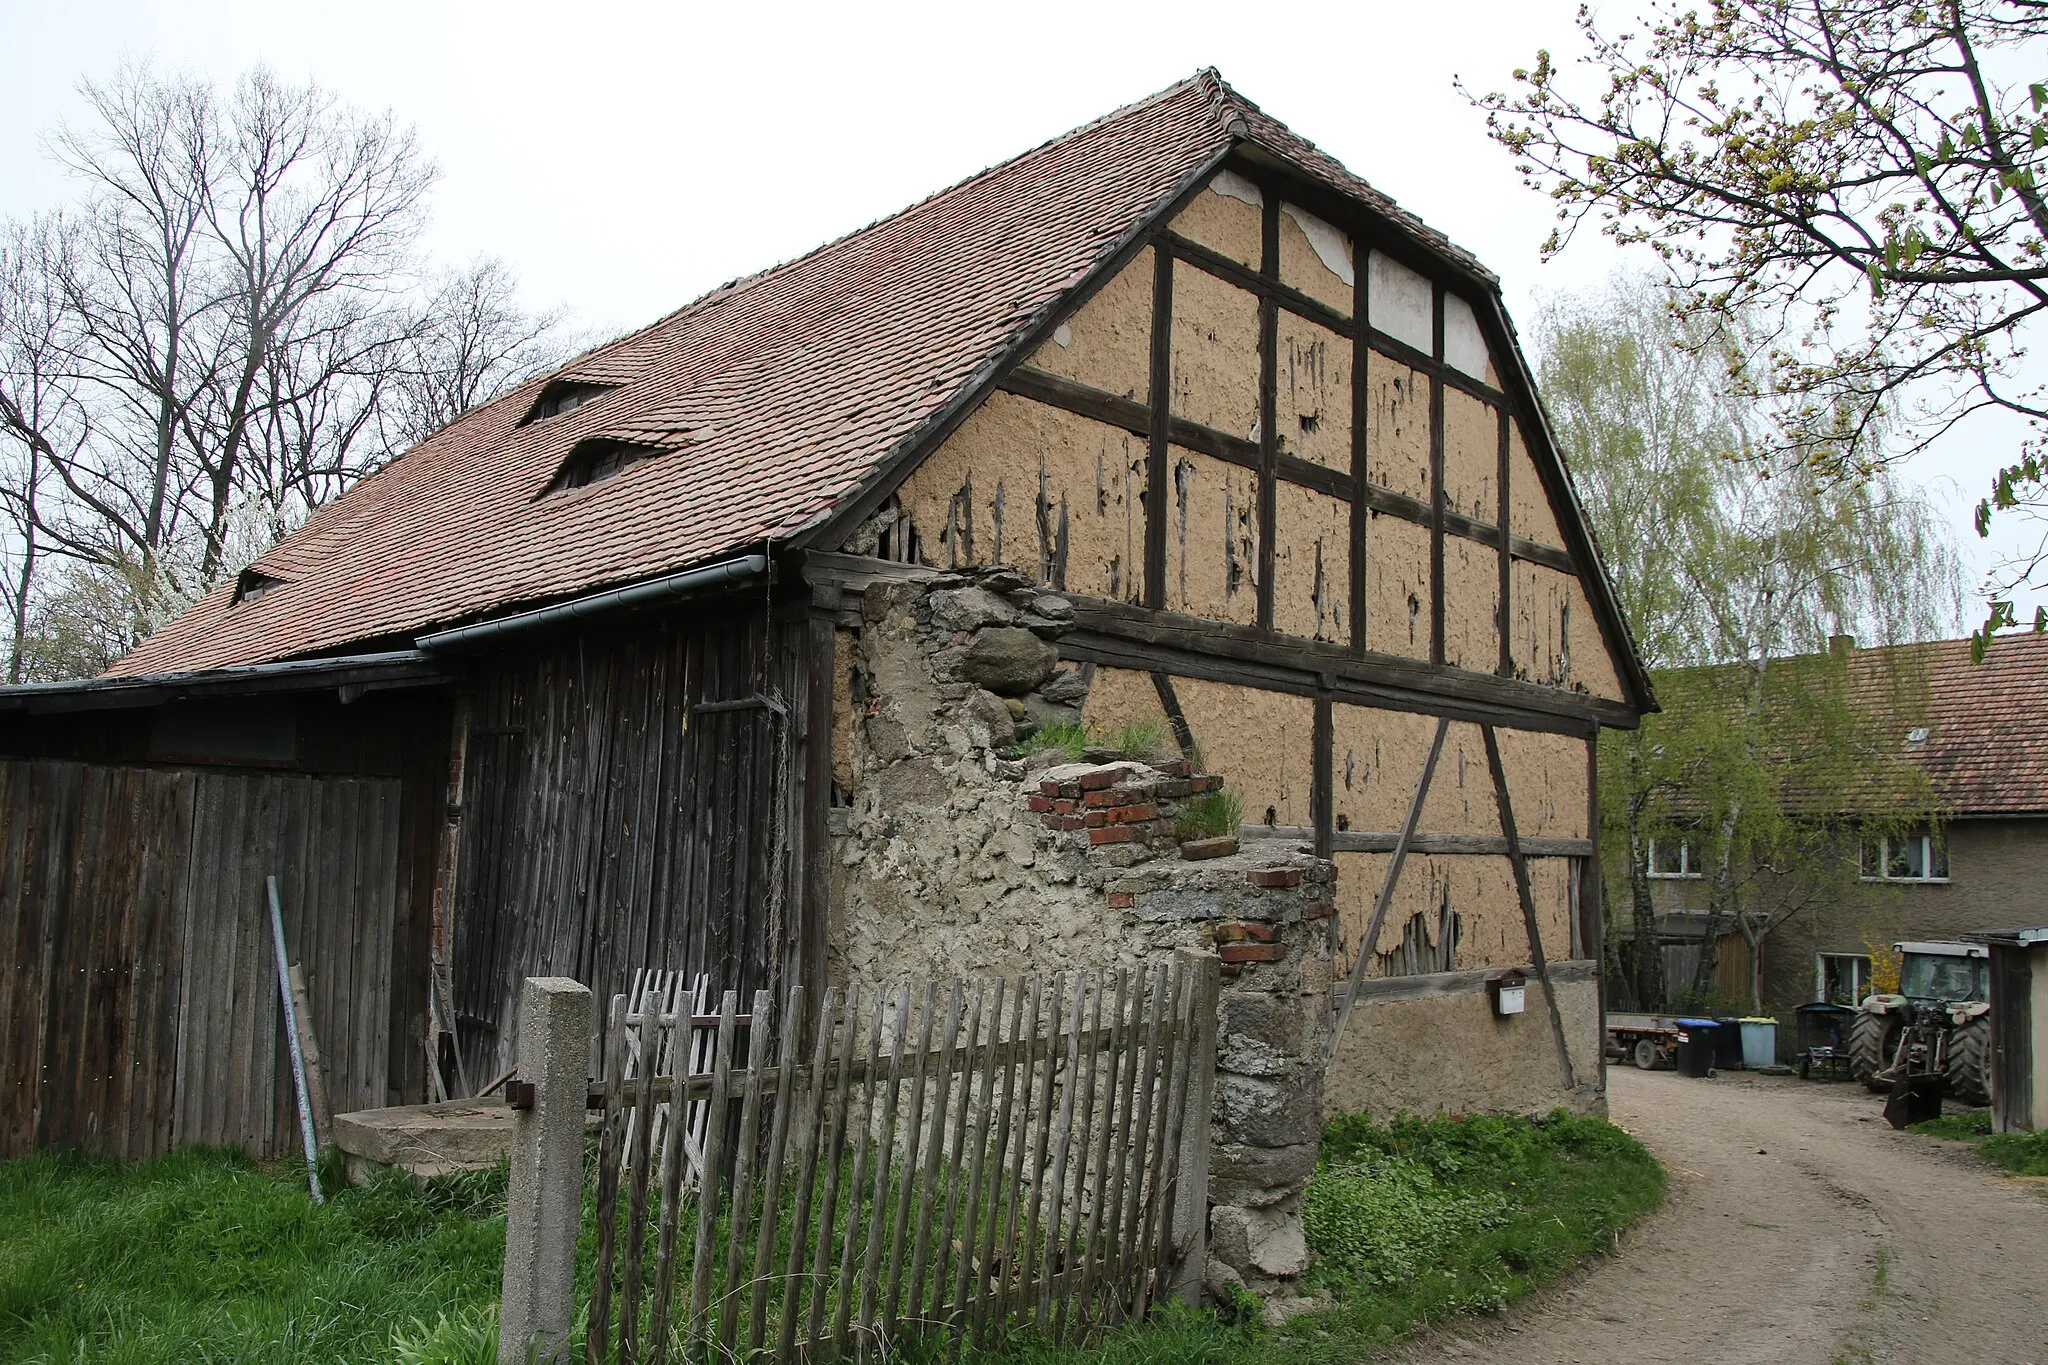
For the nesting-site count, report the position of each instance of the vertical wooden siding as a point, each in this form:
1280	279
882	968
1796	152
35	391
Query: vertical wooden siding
138	1006
608	824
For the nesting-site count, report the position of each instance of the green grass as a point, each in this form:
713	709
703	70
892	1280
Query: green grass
2020	1153
1142	739
1069	738
1212	815
205	1256
1411	1223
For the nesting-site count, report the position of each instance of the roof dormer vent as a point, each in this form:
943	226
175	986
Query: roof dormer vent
596	459
563	395
251	584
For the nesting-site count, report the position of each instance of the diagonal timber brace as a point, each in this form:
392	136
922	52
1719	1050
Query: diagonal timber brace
1521	866
1371	937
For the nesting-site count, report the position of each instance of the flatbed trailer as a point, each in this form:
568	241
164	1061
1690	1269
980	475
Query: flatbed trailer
1648	1040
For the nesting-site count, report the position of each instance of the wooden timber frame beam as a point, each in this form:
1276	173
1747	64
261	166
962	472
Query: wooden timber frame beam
1139	419
1269	414
1521	867
1437	494
1371	229
1371	935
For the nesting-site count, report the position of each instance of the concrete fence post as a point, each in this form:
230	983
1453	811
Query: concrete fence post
544	1195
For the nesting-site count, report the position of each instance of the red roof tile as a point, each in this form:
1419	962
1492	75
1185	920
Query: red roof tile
779	394
1987	724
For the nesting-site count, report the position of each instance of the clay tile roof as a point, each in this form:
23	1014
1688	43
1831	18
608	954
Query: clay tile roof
776	396
1987	724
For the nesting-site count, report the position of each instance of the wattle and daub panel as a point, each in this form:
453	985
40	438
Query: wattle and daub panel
1367	486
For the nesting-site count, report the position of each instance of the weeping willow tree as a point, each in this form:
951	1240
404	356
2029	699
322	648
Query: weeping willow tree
1736	566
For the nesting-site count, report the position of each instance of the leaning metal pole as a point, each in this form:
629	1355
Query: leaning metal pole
291	1033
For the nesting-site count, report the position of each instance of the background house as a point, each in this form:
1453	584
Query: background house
609	673
1977	735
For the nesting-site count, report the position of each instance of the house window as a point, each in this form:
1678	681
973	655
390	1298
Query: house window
1918	857
1842	978
1675	858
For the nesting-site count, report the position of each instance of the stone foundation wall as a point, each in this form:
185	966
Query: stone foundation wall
959	858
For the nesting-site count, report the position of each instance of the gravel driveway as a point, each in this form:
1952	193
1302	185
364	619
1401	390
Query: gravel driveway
1798	1228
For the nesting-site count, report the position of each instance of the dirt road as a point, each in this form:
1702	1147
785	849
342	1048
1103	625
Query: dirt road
1799	1229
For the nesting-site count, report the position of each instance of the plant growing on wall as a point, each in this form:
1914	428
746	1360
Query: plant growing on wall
1211	815
1068	738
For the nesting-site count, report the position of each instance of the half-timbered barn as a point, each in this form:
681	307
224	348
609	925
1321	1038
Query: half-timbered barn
601	675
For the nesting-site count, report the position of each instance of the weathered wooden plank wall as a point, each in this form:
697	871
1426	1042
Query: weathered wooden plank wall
631	802
138	1008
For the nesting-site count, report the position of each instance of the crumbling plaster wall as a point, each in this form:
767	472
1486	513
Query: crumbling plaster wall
1377	758
956	858
1215	353
1317	258
1028	484
1312	565
1397	431
1452	1054
1312	391
1064	496
1212	538
1107	342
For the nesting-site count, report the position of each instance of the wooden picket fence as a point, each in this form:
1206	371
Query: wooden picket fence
957	1157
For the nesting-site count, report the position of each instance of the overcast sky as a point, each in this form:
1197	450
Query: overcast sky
625	158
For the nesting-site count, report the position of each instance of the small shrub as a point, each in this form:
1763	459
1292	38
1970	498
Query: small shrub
1068	738
1212	815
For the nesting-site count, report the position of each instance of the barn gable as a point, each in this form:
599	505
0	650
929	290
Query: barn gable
1407	506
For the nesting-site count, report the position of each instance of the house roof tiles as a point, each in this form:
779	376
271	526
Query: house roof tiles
780	395
1986	749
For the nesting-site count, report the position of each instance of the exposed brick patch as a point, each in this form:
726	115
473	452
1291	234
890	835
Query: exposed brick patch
1113	834
1041	804
1131	815
1100	779
1319	912
1252	952
1204	782
1121	900
1172	767
1274	876
1102	797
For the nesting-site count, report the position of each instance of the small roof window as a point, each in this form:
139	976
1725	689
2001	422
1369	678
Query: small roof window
597	459
563	395
251	584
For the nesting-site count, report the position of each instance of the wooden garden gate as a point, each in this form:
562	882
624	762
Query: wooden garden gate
951	1157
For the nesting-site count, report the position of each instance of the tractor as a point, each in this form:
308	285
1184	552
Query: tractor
1948	983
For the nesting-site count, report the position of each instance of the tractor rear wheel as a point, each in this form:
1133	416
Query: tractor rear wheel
1969	1062
1646	1054
1871	1040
